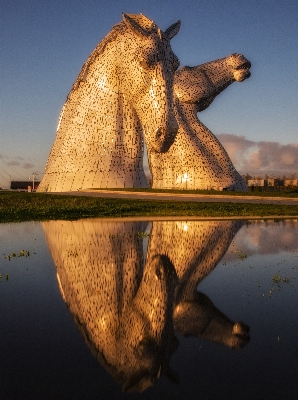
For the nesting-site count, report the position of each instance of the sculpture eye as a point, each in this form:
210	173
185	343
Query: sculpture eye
144	64
149	60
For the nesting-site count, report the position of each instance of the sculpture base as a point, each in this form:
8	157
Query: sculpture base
68	182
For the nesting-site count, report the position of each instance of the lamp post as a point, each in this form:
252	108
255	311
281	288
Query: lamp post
33	177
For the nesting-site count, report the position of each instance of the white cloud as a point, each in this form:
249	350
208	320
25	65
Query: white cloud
263	238
260	158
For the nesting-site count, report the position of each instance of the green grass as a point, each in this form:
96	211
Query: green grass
16	207
258	192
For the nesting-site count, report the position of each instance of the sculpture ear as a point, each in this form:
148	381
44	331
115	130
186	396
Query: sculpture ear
172	30
134	26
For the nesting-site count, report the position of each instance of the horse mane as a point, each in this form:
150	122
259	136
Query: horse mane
116	30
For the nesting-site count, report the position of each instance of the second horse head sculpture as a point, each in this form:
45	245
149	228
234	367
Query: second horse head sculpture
197	160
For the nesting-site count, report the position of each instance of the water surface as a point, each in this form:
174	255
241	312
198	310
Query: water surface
98	309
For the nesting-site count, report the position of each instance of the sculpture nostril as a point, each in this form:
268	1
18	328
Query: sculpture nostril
239	328
158	133
159	272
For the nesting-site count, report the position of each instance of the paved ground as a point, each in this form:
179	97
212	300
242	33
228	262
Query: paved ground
218	198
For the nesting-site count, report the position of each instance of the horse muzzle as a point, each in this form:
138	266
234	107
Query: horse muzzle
242	71
163	138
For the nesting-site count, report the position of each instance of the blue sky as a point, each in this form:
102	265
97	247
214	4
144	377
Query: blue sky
45	43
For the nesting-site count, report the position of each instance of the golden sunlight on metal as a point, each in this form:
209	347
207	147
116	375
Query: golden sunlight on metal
127	304
117	92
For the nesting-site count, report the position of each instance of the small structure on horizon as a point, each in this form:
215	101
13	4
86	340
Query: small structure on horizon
23	185
257	182
275	182
272	182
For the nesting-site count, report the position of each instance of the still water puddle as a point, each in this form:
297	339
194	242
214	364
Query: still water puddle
98	309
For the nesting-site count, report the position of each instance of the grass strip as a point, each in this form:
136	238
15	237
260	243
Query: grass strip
17	207
258	192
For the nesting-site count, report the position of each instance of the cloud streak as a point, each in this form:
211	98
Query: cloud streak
28	165
260	158
13	163
14	168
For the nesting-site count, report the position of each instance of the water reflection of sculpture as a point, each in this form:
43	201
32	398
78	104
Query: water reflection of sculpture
128	312
197	160
195	248
124	91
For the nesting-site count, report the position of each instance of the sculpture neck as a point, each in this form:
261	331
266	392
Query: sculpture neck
186	114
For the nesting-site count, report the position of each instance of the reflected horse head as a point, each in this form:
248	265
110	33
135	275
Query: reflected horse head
146	334
199	317
128	309
137	347
123	309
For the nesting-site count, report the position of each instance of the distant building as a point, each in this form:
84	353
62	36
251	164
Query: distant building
290	182
275	182
23	185
257	182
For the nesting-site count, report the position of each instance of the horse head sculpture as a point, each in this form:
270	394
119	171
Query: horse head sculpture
197	160
200	85
151	66
123	92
